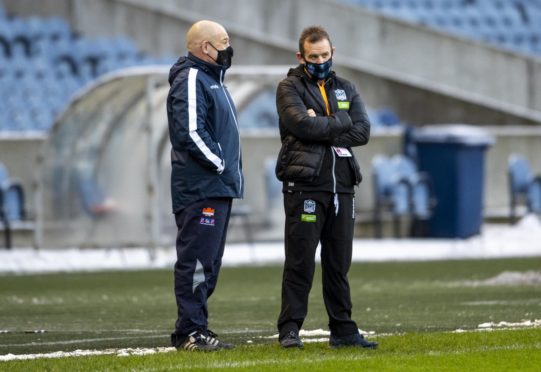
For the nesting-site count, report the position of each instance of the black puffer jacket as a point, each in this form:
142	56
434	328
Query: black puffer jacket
307	141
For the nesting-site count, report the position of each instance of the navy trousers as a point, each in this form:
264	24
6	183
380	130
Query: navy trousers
202	229
311	218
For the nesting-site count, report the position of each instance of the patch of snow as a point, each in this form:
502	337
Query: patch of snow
495	241
503	324
508	278
314	333
314	340
320	332
78	353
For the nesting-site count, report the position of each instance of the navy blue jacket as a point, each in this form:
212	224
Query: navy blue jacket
206	157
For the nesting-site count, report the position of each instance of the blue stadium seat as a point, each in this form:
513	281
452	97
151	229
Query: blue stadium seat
388	117
399	188
5	38
390	194
12	204
55	28
421	194
524	186
382	118
12	196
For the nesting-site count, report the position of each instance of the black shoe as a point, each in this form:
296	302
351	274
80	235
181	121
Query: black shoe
292	339
356	340
196	341
212	339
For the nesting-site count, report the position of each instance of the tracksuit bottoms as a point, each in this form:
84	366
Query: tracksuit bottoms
313	217
202	230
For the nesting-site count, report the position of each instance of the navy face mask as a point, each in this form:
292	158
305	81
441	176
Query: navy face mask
319	71
224	56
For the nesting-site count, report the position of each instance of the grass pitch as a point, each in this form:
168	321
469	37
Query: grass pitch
412	307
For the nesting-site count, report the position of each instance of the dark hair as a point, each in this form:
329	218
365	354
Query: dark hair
312	34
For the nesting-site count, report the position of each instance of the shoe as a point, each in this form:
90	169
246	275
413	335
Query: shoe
196	341
292	339
212	339
356	340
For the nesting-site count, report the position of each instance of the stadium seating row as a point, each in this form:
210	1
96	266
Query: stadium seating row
43	63
512	24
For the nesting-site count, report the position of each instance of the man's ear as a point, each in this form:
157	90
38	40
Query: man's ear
299	57
333	50
205	47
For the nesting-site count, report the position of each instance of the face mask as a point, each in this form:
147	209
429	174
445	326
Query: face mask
224	56
319	71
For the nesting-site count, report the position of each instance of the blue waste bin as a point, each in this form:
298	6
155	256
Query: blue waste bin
453	156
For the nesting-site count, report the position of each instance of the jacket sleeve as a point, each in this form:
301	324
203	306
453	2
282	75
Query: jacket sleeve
359	133
188	108
294	116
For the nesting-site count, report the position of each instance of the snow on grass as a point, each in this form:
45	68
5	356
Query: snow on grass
78	353
507	278
524	324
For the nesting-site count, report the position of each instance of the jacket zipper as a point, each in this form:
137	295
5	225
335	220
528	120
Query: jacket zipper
327	107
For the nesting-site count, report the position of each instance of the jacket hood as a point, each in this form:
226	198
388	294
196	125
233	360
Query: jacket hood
185	62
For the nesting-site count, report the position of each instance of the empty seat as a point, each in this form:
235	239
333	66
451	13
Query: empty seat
402	190
524	186
55	28
11	203
420	193
390	194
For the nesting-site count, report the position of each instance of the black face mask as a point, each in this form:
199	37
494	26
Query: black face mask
224	56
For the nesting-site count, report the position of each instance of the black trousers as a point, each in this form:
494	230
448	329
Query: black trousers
311	218
202	230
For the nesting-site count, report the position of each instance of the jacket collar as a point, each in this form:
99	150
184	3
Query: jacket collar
300	72
216	71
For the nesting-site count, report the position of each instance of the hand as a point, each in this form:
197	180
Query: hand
311	113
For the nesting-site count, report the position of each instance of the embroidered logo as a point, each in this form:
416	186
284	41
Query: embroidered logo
309	206
214	86
208	212
340	94
207	221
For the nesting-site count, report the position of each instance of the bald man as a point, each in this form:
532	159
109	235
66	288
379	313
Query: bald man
206	176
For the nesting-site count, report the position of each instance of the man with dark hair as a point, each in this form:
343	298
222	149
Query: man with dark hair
206	175
321	118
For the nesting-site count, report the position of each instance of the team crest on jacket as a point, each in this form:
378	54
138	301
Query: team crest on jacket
309	206
208	212
340	94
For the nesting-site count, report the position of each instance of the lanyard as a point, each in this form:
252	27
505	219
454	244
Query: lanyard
324	95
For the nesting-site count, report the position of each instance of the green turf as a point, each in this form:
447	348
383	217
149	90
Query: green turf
518	350
418	303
